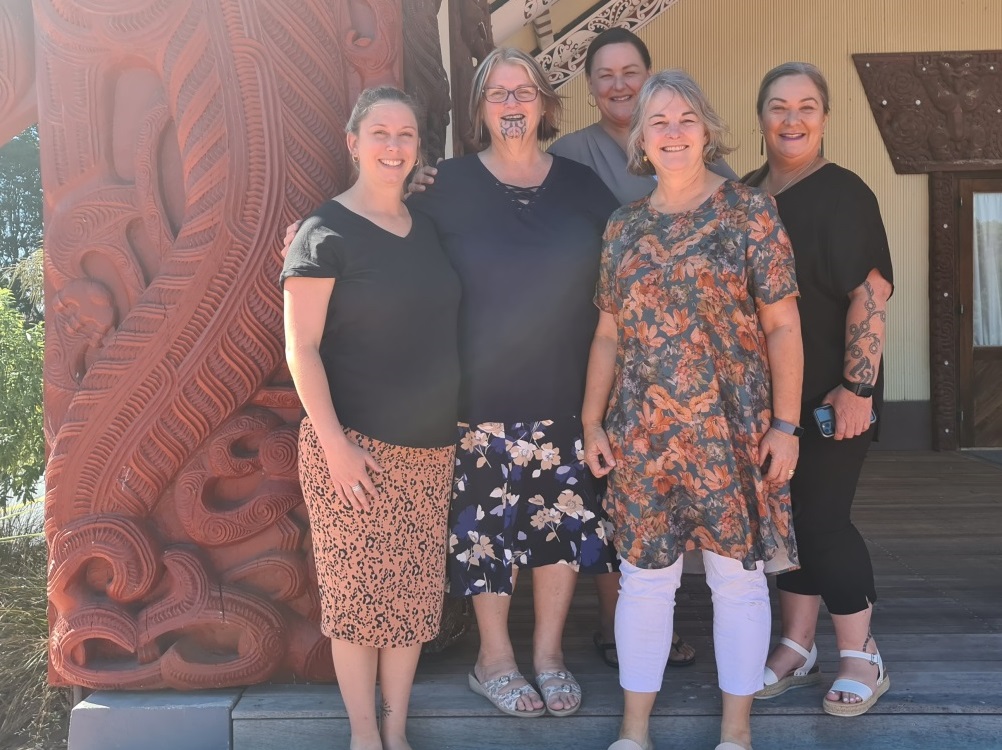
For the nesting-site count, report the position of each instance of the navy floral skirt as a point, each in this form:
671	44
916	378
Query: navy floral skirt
523	497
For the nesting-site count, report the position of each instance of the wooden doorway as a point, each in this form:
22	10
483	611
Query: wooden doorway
980	288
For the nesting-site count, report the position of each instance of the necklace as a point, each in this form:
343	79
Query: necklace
798	174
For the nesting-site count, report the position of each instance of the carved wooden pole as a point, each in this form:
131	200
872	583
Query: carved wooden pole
470	41
178	139
424	74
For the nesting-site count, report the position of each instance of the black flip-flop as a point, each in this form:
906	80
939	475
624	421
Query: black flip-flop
606	650
677	646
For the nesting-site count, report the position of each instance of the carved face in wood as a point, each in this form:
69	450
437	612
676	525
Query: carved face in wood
793	120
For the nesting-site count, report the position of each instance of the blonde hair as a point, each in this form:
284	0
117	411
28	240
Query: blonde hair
552	105
682	84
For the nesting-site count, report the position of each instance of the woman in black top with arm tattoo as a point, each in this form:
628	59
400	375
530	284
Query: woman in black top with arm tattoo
845	277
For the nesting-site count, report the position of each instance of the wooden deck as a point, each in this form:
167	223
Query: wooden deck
933	523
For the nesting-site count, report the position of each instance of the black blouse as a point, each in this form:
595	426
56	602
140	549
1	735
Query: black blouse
528	272
838	237
389	345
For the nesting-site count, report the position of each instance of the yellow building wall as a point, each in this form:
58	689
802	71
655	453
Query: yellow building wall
727	45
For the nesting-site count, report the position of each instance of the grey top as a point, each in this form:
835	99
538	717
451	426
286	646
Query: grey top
595	148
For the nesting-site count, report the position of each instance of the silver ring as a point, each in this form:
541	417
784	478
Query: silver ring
356	487
792	472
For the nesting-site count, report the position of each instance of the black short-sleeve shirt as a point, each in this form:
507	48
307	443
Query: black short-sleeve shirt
528	274
389	346
838	237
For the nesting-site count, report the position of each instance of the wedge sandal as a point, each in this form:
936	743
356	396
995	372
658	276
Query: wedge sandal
845	685
568	687
505	698
808	674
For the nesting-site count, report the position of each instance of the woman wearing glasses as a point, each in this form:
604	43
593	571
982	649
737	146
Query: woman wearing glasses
523	230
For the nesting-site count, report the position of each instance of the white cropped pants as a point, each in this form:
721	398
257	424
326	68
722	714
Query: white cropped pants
741	624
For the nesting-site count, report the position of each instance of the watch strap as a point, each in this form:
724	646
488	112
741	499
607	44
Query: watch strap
860	389
788	427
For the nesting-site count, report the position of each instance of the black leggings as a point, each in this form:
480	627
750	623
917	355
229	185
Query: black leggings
835	563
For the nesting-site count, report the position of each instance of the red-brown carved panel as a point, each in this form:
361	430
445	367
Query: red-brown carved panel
18	103
936	111
179	138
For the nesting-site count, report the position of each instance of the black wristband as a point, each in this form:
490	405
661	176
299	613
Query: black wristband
788	427
860	389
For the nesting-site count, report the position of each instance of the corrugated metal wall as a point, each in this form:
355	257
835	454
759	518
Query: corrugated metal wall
727	45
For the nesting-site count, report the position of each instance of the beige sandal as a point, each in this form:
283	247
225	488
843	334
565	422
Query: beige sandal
845	685
568	686
504	698
807	674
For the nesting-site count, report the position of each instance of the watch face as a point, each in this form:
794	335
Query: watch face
860	389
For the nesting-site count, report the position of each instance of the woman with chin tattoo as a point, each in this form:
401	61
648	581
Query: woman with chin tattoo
523	229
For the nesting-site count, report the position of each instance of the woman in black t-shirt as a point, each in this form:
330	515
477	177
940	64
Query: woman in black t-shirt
845	277
371	307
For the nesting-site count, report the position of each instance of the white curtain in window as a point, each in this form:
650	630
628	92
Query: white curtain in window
988	269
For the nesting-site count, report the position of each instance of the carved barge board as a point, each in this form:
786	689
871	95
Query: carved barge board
936	111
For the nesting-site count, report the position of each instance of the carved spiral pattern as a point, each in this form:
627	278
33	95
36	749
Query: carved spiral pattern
173	511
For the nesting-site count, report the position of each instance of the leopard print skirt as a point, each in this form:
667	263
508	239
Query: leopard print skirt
381	573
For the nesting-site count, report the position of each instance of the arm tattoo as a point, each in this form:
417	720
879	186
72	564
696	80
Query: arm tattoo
862	352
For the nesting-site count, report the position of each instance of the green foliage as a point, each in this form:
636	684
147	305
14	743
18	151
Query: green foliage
34	716
28	276
20	209
22	444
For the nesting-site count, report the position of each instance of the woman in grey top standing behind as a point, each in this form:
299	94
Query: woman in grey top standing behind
617	64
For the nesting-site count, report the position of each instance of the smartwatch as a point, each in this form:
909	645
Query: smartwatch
860	389
788	427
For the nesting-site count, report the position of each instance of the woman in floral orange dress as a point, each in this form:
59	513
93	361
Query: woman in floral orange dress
695	370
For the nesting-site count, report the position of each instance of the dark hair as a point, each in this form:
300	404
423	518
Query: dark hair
616	35
552	106
378	95
793	69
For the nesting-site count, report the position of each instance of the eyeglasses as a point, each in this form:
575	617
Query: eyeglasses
499	94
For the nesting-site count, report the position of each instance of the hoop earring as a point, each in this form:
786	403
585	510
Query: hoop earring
354	157
591	100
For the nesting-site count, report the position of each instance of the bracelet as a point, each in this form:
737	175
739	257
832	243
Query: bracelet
863	390
788	427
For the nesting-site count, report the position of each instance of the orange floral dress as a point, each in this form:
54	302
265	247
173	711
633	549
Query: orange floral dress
692	393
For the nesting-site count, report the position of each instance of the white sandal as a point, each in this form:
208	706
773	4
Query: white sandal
808	674
845	685
628	745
